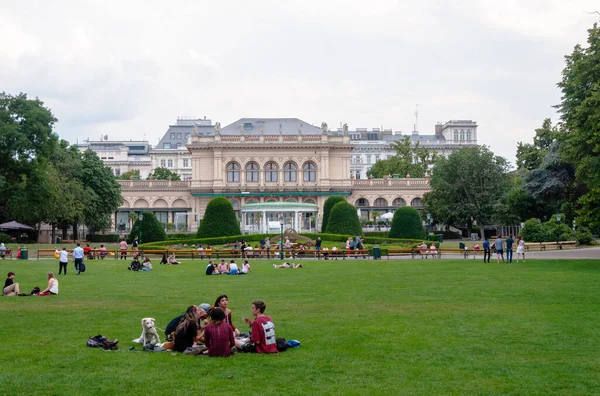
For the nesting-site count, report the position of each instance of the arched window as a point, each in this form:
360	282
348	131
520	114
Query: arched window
233	172
252	172
251	201
236	206
462	134
271	200
310	172
290	171
398	202
417	203
380	202
291	200
361	202
271	170
310	201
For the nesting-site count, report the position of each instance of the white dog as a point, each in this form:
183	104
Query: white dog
149	334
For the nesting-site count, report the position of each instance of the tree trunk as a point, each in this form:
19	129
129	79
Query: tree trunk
75	227
65	229
53	234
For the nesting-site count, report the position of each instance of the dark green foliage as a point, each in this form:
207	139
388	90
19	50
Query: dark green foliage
343	219
219	220
152	229
5	238
164	174
534	231
407	223
584	236
134	173
409	159
329	203
110	238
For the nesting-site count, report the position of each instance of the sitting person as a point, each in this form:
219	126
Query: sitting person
422	248
223	268
2	251
164	259
334	252
433	250
325	252
211	268
186	333
52	286
172	259
287	265
201	313
218	335
201	251
103	252
262	331
87	251
10	287
135	264
245	268
233	268
147	264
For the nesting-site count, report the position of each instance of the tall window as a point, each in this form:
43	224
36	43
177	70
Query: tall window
361	202
462	134
417	203
117	172
369	159
271	170
310	172
186	163
252	173
468	134
172	135
380	202
290	172
163	163
398	202
233	172
169	163
455	134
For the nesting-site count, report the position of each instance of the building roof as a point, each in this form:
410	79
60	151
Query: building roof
177	135
270	126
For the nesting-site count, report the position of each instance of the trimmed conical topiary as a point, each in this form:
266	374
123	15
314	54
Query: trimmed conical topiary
343	219
407	224
152	229
329	203
219	220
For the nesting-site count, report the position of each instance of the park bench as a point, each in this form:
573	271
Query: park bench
569	245
406	252
42	253
6	253
463	252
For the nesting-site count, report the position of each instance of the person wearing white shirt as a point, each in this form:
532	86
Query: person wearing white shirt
63	260
233	268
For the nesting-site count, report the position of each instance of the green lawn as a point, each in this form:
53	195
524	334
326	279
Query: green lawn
366	327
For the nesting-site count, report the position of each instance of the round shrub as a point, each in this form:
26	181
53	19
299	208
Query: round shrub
152	229
5	238
407	224
584	236
329	203
219	220
343	219
533	231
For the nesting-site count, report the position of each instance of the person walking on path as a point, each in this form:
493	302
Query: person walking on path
498	245
509	248
78	256
487	251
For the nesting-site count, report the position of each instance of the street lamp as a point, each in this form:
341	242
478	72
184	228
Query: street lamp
281	240
141	217
557	227
428	225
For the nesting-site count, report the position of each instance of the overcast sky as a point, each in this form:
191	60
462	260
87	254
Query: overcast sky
127	69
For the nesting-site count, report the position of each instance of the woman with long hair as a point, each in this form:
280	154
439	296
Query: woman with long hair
52	286
187	330
223	303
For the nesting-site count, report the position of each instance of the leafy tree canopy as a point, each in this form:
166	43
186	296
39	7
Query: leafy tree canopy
530	156
409	159
219	219
135	173
343	220
151	229
163	174
329	203
407	223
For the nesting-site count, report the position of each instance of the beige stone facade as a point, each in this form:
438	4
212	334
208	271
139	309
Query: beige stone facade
258	168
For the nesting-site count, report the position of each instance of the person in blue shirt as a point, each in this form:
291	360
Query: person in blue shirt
509	248
78	256
487	252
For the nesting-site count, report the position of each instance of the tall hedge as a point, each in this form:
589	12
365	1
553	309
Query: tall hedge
152	229
219	220
329	203
407	224
343	219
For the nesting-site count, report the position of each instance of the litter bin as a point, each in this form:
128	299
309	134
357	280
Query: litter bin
461	245
58	240
376	253
24	253
440	238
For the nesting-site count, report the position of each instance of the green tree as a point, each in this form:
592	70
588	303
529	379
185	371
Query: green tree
530	156
329	203
343	219
135	173
219	219
409	159
407	223
163	174
467	186
151	229
580	116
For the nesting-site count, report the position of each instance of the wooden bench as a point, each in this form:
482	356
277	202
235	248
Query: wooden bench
6	253
405	252
41	253
569	245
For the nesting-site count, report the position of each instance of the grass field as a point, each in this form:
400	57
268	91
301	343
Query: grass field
366	327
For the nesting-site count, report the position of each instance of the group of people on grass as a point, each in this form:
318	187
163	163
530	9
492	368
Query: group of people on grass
224	268
135	265
208	330
11	288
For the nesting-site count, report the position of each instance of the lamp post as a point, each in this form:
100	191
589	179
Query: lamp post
141	217
281	240
428	225
557	227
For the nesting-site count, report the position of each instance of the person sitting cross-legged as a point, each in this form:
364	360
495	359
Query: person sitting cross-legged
10	287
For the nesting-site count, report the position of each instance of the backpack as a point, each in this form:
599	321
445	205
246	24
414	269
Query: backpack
281	344
82	267
100	341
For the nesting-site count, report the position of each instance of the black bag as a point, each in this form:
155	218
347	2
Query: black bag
36	290
82	267
281	344
100	341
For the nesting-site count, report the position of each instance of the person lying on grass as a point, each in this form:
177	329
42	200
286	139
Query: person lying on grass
287	265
